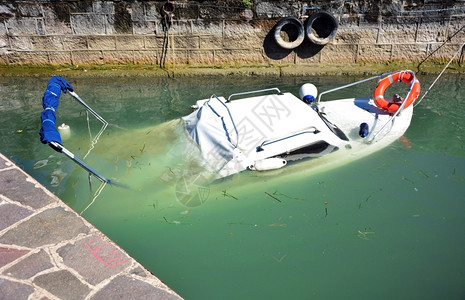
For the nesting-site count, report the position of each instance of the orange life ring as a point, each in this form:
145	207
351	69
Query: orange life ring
404	76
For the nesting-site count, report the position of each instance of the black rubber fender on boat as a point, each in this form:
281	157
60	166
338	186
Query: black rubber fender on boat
321	28
295	30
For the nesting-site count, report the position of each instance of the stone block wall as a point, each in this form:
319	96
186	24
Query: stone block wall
218	32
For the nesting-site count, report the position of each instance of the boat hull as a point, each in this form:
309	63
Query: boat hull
238	135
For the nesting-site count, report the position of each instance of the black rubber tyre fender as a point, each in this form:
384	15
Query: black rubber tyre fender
321	28
298	26
168	8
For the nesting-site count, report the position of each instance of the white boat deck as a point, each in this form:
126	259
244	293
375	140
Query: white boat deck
234	135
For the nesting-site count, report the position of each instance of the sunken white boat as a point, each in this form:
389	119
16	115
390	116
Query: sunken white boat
266	129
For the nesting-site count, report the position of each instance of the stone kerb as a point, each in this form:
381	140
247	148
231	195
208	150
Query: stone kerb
47	251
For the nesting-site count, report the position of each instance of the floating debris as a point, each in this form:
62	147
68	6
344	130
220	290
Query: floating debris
424	173
142	149
57	177
55	181
287	196
242	223
155	205
40	164
273	197
408	180
366	200
459	179
226	194
364	234
171	222
279	259
278	224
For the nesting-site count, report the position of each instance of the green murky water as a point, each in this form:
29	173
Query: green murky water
388	226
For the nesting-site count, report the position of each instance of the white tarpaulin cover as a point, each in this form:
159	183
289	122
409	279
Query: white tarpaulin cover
207	127
228	134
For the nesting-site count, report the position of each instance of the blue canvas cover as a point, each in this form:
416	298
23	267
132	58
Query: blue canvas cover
48	132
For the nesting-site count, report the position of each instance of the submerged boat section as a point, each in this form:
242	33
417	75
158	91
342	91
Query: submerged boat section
269	128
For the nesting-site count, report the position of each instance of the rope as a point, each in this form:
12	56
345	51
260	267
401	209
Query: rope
440	74
448	40
461	56
88	126
167	12
95	140
164	49
97	193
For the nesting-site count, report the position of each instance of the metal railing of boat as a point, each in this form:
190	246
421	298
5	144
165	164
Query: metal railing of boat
60	148
94	140
371	136
253	92
240	94
351	84
294	134
230	116
370	139
91	172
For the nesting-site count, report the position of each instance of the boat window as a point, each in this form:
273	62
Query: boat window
315	148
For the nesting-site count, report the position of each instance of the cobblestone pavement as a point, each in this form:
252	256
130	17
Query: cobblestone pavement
47	251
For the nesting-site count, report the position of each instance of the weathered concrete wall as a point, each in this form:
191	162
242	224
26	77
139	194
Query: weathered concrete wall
222	31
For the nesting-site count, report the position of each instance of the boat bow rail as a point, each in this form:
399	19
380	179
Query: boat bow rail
254	92
48	132
379	128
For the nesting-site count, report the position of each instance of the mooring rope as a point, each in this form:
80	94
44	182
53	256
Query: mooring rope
97	193
93	141
440	74
445	42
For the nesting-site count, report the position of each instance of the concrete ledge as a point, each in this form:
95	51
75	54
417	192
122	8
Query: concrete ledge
195	51
47	251
94	32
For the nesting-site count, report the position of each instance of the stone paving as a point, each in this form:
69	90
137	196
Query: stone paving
47	251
